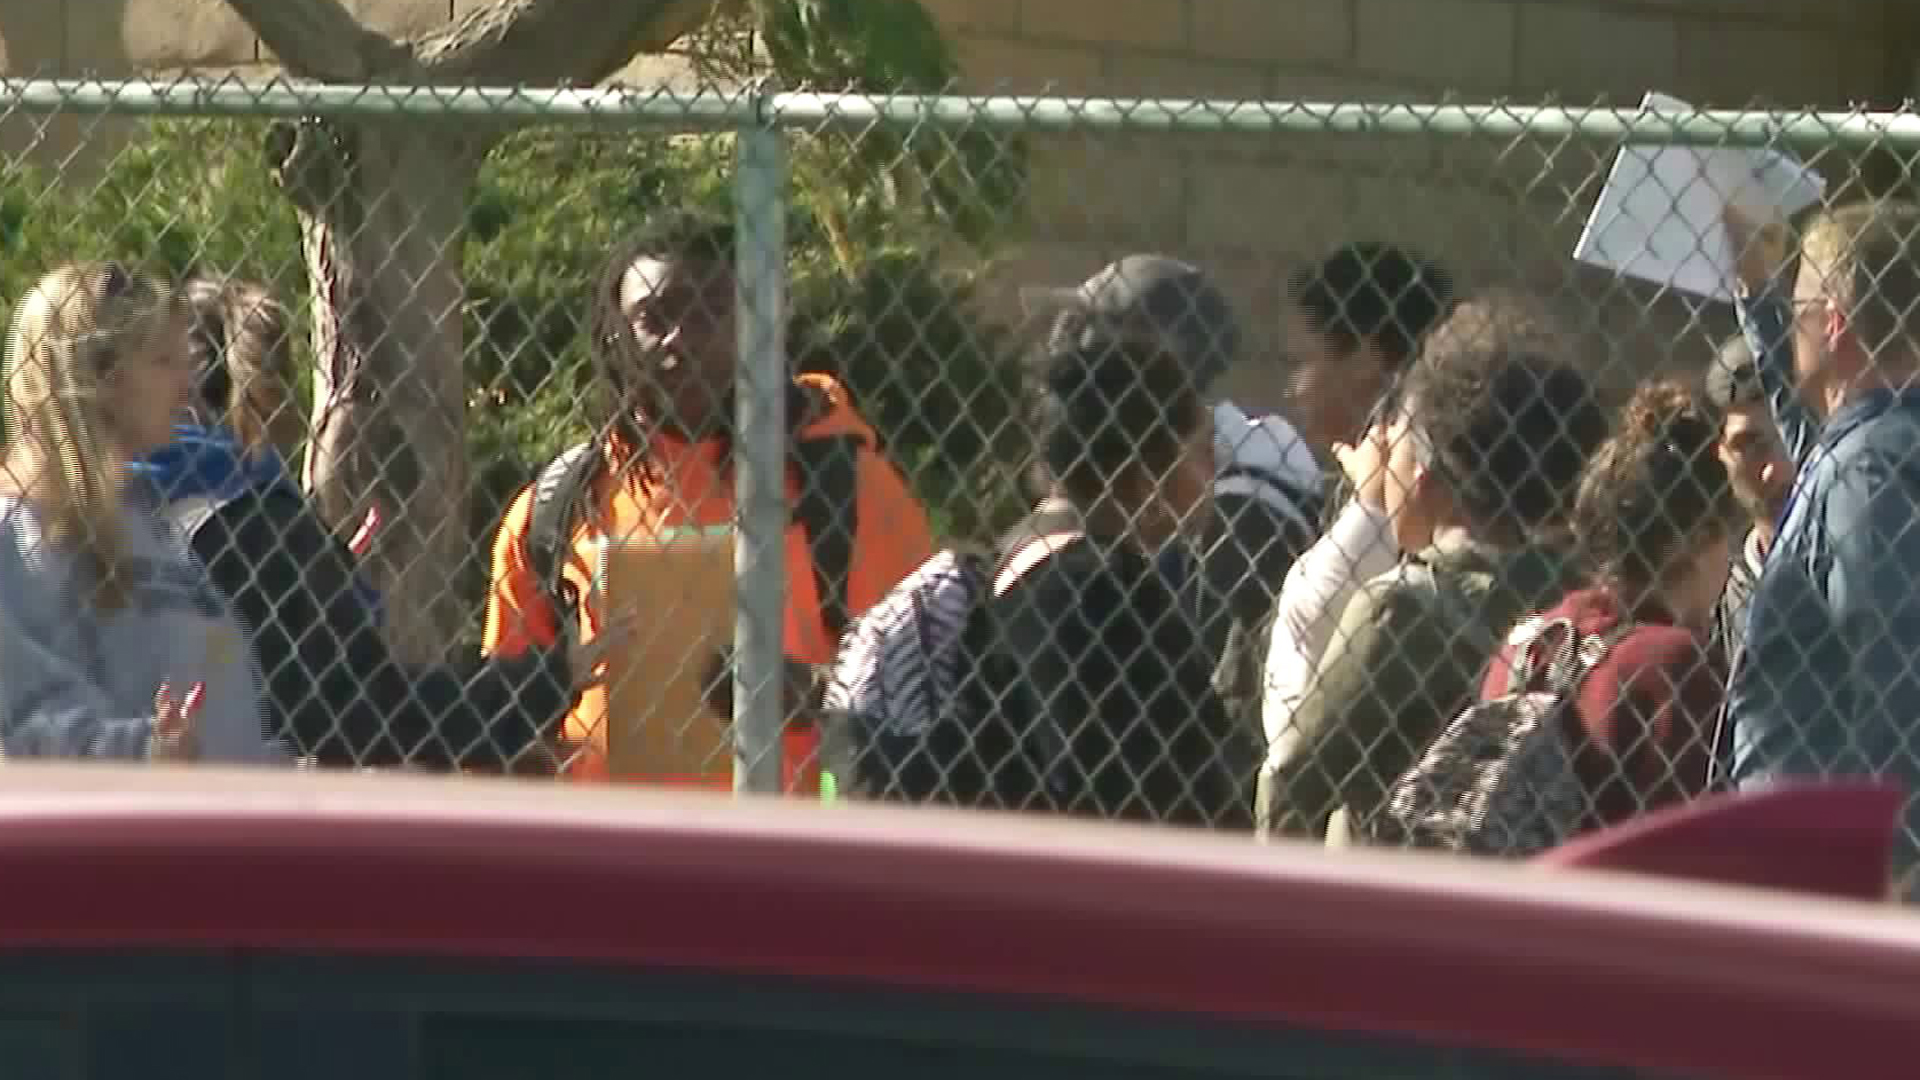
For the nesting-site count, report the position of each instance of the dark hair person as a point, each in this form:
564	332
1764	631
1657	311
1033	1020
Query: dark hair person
663	318
1098	697
1355	321
1269	489
1655	518
1493	428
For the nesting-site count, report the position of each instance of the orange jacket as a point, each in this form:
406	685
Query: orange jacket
892	539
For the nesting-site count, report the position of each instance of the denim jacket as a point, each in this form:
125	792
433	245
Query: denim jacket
1829	684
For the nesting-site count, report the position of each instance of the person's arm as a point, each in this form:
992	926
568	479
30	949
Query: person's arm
336	688
1134	702
1374	671
1765	308
892	539
1766	318
50	707
1358	548
1209	759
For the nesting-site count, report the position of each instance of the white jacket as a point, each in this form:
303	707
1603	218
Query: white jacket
1358	548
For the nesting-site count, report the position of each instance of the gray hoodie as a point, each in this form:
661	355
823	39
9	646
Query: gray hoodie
78	682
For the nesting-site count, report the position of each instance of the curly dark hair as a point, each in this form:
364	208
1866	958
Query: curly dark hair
1655	488
1374	292
1511	421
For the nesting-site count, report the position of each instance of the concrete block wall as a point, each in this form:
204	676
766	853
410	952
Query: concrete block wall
118	38
1250	206
1508	212
112	38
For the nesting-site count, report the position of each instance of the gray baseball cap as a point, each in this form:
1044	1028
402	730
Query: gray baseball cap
1157	296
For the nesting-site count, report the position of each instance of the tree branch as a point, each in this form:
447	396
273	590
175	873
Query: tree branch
552	42
320	39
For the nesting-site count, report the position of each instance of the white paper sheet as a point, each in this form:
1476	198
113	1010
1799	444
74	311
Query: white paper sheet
1658	217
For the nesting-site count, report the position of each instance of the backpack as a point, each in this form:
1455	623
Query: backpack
1269	495
1499	779
1300	507
902	665
1235	618
827	510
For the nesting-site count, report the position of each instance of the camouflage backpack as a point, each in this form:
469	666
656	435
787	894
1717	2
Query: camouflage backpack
1499	780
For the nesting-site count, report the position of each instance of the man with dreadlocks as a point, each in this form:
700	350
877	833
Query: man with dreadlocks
664	350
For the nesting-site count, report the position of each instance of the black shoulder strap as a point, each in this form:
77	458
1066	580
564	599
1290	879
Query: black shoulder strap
829	511
556	496
190	513
1306	498
1453	604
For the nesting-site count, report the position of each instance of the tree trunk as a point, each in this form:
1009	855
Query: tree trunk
382	207
381	210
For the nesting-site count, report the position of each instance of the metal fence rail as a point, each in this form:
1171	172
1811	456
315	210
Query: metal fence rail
714	109
433	262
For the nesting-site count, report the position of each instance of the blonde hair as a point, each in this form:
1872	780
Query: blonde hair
1868	259
247	333
68	332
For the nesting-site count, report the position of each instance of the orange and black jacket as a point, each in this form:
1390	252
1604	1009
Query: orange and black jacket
677	484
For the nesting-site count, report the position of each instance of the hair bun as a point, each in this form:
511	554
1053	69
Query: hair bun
1668	416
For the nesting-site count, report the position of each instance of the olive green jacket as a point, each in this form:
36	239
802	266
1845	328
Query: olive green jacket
1407	657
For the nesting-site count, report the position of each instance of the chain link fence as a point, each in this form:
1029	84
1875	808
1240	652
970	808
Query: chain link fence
786	441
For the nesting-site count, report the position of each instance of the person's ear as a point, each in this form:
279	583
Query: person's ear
1836	325
1426	487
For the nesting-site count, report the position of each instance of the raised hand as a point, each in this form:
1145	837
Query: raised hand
1760	248
176	735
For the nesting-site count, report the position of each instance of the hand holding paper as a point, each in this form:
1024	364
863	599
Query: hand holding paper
1661	215
1760	247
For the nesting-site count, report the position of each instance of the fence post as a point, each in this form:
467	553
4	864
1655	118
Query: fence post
760	459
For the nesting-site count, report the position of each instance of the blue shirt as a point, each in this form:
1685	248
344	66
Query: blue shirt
1830	680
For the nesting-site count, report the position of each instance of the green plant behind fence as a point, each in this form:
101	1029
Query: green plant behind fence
870	300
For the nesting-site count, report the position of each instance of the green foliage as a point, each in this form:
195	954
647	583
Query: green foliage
181	195
963	178
935	381
870	304
855	45
178	196
872	301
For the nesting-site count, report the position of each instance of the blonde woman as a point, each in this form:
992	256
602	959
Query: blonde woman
113	643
